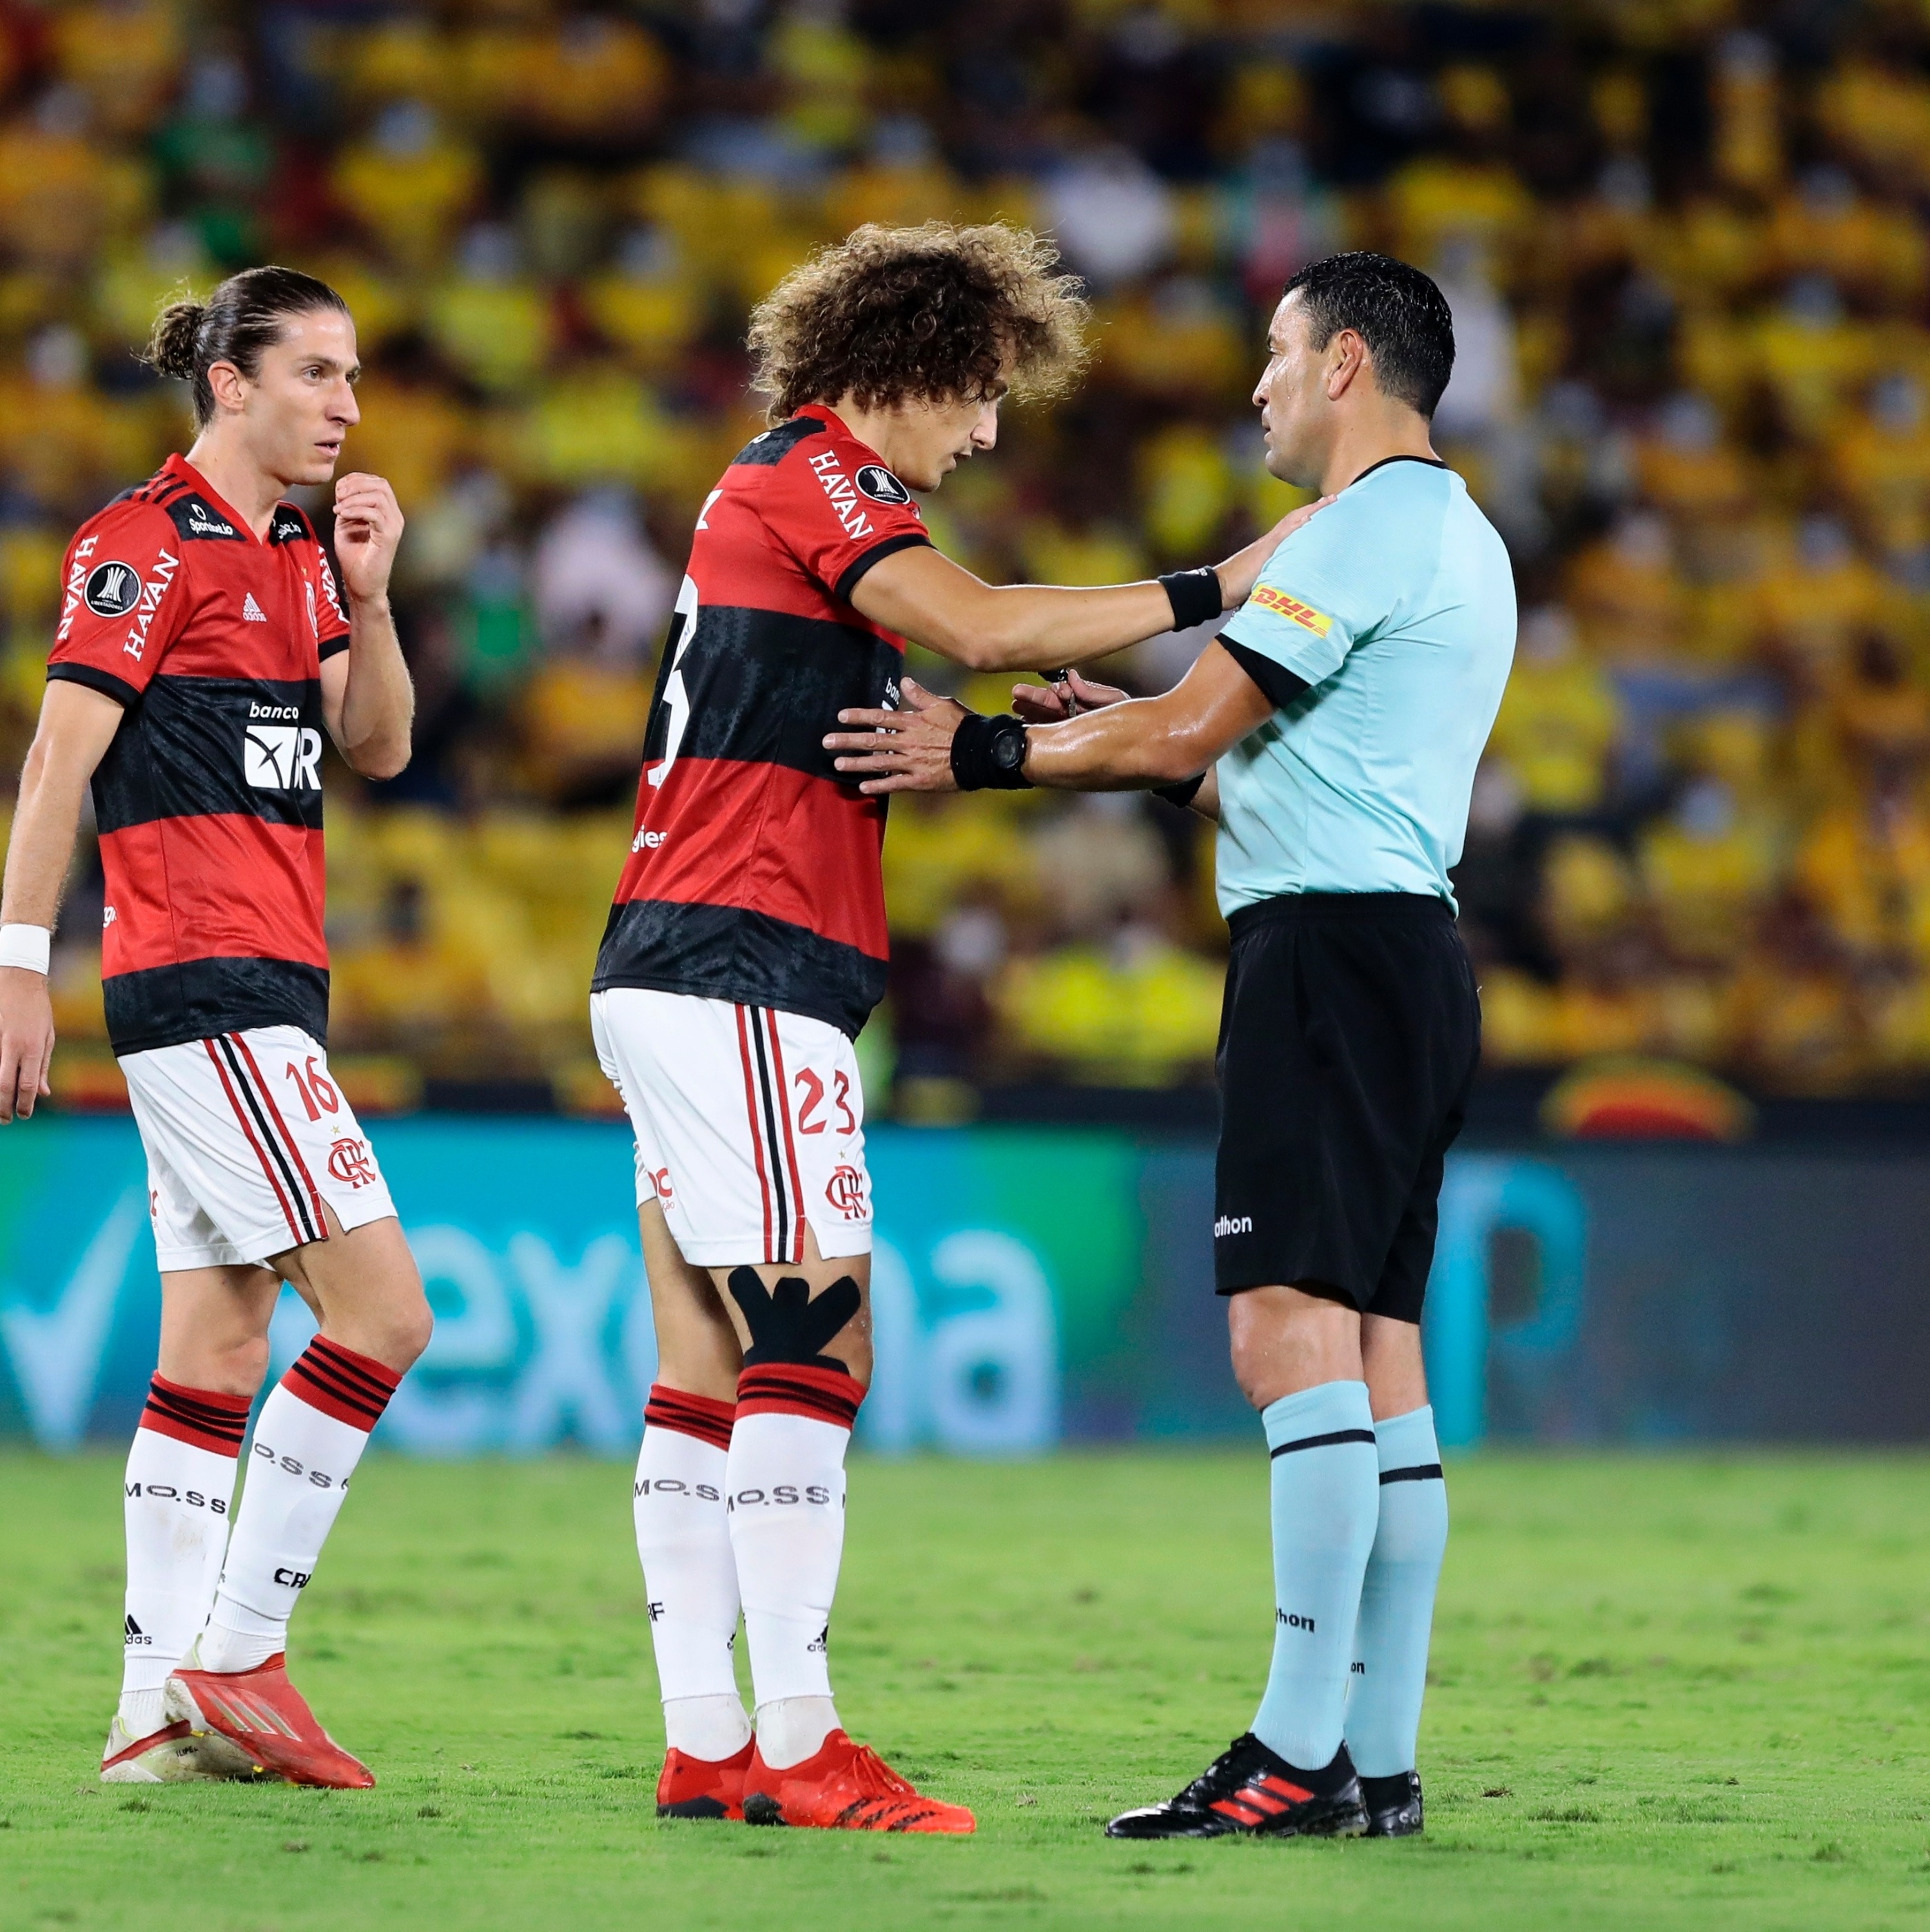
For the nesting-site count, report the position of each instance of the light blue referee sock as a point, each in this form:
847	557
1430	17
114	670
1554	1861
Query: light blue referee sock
1390	1674
1325	1499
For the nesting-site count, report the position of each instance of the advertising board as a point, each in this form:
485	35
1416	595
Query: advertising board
1032	1287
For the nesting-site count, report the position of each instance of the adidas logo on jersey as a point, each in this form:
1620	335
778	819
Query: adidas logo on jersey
253	611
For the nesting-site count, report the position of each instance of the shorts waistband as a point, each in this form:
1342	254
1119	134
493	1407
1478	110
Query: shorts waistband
1337	905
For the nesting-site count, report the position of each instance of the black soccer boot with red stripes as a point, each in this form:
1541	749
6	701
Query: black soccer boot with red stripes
1394	1804
1249	1788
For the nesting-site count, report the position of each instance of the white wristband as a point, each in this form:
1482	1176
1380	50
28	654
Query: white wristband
27	946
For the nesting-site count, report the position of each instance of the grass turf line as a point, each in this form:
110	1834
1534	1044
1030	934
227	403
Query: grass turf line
1670	1692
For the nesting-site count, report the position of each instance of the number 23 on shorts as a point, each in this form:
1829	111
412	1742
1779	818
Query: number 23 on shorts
809	1098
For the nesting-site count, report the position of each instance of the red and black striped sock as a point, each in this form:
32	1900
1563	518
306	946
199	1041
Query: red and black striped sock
799	1388
353	1388
202	1418
703	1417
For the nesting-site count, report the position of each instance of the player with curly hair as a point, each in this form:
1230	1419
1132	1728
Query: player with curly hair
747	946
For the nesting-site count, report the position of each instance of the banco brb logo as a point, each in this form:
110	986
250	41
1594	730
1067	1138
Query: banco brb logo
282	757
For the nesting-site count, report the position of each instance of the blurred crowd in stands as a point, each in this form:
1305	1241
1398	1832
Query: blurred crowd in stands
1685	244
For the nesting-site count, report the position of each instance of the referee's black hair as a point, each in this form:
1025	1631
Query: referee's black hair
241	319
1397	311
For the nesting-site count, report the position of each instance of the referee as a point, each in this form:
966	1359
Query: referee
1332	731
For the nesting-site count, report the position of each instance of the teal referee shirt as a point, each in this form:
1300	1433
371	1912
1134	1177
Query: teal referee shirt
1396	605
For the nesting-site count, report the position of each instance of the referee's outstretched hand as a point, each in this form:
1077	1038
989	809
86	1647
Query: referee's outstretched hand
909	749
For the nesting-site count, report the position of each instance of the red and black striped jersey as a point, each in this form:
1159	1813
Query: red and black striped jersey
755	873
209	800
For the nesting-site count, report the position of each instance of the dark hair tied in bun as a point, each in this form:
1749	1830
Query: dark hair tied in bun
241	319
170	349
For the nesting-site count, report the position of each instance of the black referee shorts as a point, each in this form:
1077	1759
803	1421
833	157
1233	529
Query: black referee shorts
1348	1043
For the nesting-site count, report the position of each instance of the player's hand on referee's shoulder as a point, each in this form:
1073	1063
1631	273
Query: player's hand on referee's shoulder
1241	571
368	525
907	750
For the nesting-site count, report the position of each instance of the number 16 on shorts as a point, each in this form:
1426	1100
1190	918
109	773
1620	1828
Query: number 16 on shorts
247	1135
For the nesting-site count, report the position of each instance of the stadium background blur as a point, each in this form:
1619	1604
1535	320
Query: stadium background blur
1684	244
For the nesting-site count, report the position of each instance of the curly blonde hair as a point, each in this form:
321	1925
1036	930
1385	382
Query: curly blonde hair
937	312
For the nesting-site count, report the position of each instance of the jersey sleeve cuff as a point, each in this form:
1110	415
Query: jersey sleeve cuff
123	693
334	646
854	571
1280	685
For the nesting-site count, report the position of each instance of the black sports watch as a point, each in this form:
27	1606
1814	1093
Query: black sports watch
989	754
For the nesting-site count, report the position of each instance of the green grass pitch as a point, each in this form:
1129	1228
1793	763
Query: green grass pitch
1671	1691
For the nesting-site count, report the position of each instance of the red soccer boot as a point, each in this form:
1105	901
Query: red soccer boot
697	1787
172	1755
845	1787
263	1716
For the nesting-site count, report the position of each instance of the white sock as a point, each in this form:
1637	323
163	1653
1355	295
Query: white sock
786	1478
180	1481
793	1728
710	1728
312	1430
690	1576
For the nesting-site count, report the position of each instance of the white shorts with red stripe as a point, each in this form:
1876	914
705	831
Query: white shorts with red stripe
246	1136
749	1124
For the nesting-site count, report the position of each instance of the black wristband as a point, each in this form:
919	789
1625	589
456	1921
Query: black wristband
989	754
1194	596
1182	794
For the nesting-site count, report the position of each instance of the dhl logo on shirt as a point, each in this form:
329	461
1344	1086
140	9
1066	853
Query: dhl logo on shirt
1305	615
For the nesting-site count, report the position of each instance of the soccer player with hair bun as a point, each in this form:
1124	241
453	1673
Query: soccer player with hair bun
747	946
202	648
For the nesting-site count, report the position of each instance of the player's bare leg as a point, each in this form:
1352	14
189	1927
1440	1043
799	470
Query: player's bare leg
364	1289
698	1350
683	1533
365	1292
179	1490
